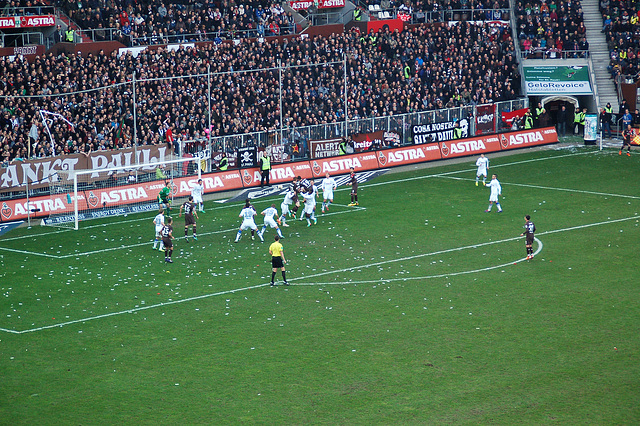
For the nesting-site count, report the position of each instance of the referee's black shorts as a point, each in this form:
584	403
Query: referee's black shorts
276	262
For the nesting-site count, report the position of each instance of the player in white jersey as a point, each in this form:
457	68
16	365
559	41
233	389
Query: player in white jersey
483	165
312	189
247	214
158	221
288	200
196	193
270	214
496	192
310	207
328	185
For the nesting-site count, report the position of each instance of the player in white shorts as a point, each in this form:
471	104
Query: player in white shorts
158	221
310	207
196	193
496	192
288	200
270	214
247	215
328	185
483	165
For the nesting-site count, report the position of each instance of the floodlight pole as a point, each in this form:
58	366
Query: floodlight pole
280	87
209	113
346	98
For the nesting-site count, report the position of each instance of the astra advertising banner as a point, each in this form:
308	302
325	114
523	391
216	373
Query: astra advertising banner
485	119
104	199
339	165
30	21
321	4
409	155
280	173
438	132
557	79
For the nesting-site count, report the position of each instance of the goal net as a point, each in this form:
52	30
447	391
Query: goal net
80	195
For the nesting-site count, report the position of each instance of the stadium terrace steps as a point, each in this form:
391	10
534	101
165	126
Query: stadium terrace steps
599	53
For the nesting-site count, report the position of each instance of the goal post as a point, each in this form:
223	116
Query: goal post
80	195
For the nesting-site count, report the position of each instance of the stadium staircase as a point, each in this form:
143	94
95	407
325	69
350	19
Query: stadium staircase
599	54
67	22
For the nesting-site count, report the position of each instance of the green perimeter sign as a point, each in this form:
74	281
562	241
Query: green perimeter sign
554	80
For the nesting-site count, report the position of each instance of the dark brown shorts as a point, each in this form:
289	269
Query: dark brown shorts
168	242
189	220
529	239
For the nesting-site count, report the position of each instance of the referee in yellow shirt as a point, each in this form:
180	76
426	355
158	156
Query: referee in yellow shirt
277	259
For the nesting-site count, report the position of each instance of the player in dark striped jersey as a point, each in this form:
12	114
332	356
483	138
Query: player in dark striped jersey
167	237
529	229
189	212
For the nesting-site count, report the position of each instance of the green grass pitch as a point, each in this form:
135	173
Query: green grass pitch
416	307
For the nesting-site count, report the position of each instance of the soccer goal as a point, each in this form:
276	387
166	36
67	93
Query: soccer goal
78	195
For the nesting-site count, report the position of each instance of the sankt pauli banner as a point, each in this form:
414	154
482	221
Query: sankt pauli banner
38	173
110	198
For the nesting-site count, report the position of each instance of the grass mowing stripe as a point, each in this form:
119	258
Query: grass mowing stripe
343	270
350	209
130	311
524	185
426	277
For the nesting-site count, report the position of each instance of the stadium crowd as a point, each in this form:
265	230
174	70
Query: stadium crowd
621	25
424	68
549	27
151	22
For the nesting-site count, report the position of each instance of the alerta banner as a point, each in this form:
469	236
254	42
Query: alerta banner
409	155
342	164
31	21
324	148
553	80
321	4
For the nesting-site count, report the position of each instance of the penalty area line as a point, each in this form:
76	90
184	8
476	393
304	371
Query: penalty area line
138	309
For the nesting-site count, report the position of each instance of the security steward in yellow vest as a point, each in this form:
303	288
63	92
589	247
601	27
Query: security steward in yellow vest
578	121
342	147
457	131
265	168
224	162
528	120
69	35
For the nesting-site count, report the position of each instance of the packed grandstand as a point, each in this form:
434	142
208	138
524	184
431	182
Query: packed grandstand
230	68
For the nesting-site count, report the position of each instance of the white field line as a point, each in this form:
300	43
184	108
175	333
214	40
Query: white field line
130	311
337	190
201	234
449	274
333	272
551	188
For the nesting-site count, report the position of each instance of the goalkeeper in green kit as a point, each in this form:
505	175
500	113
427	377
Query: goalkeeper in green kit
163	196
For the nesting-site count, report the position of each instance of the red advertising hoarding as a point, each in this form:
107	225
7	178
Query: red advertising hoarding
111	197
32	21
321	4
342	164
525	138
409	155
463	147
280	173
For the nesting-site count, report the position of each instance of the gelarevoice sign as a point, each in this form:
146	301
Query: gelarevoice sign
553	80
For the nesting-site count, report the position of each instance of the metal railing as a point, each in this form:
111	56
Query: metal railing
21	39
401	124
459	15
27	11
551	54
